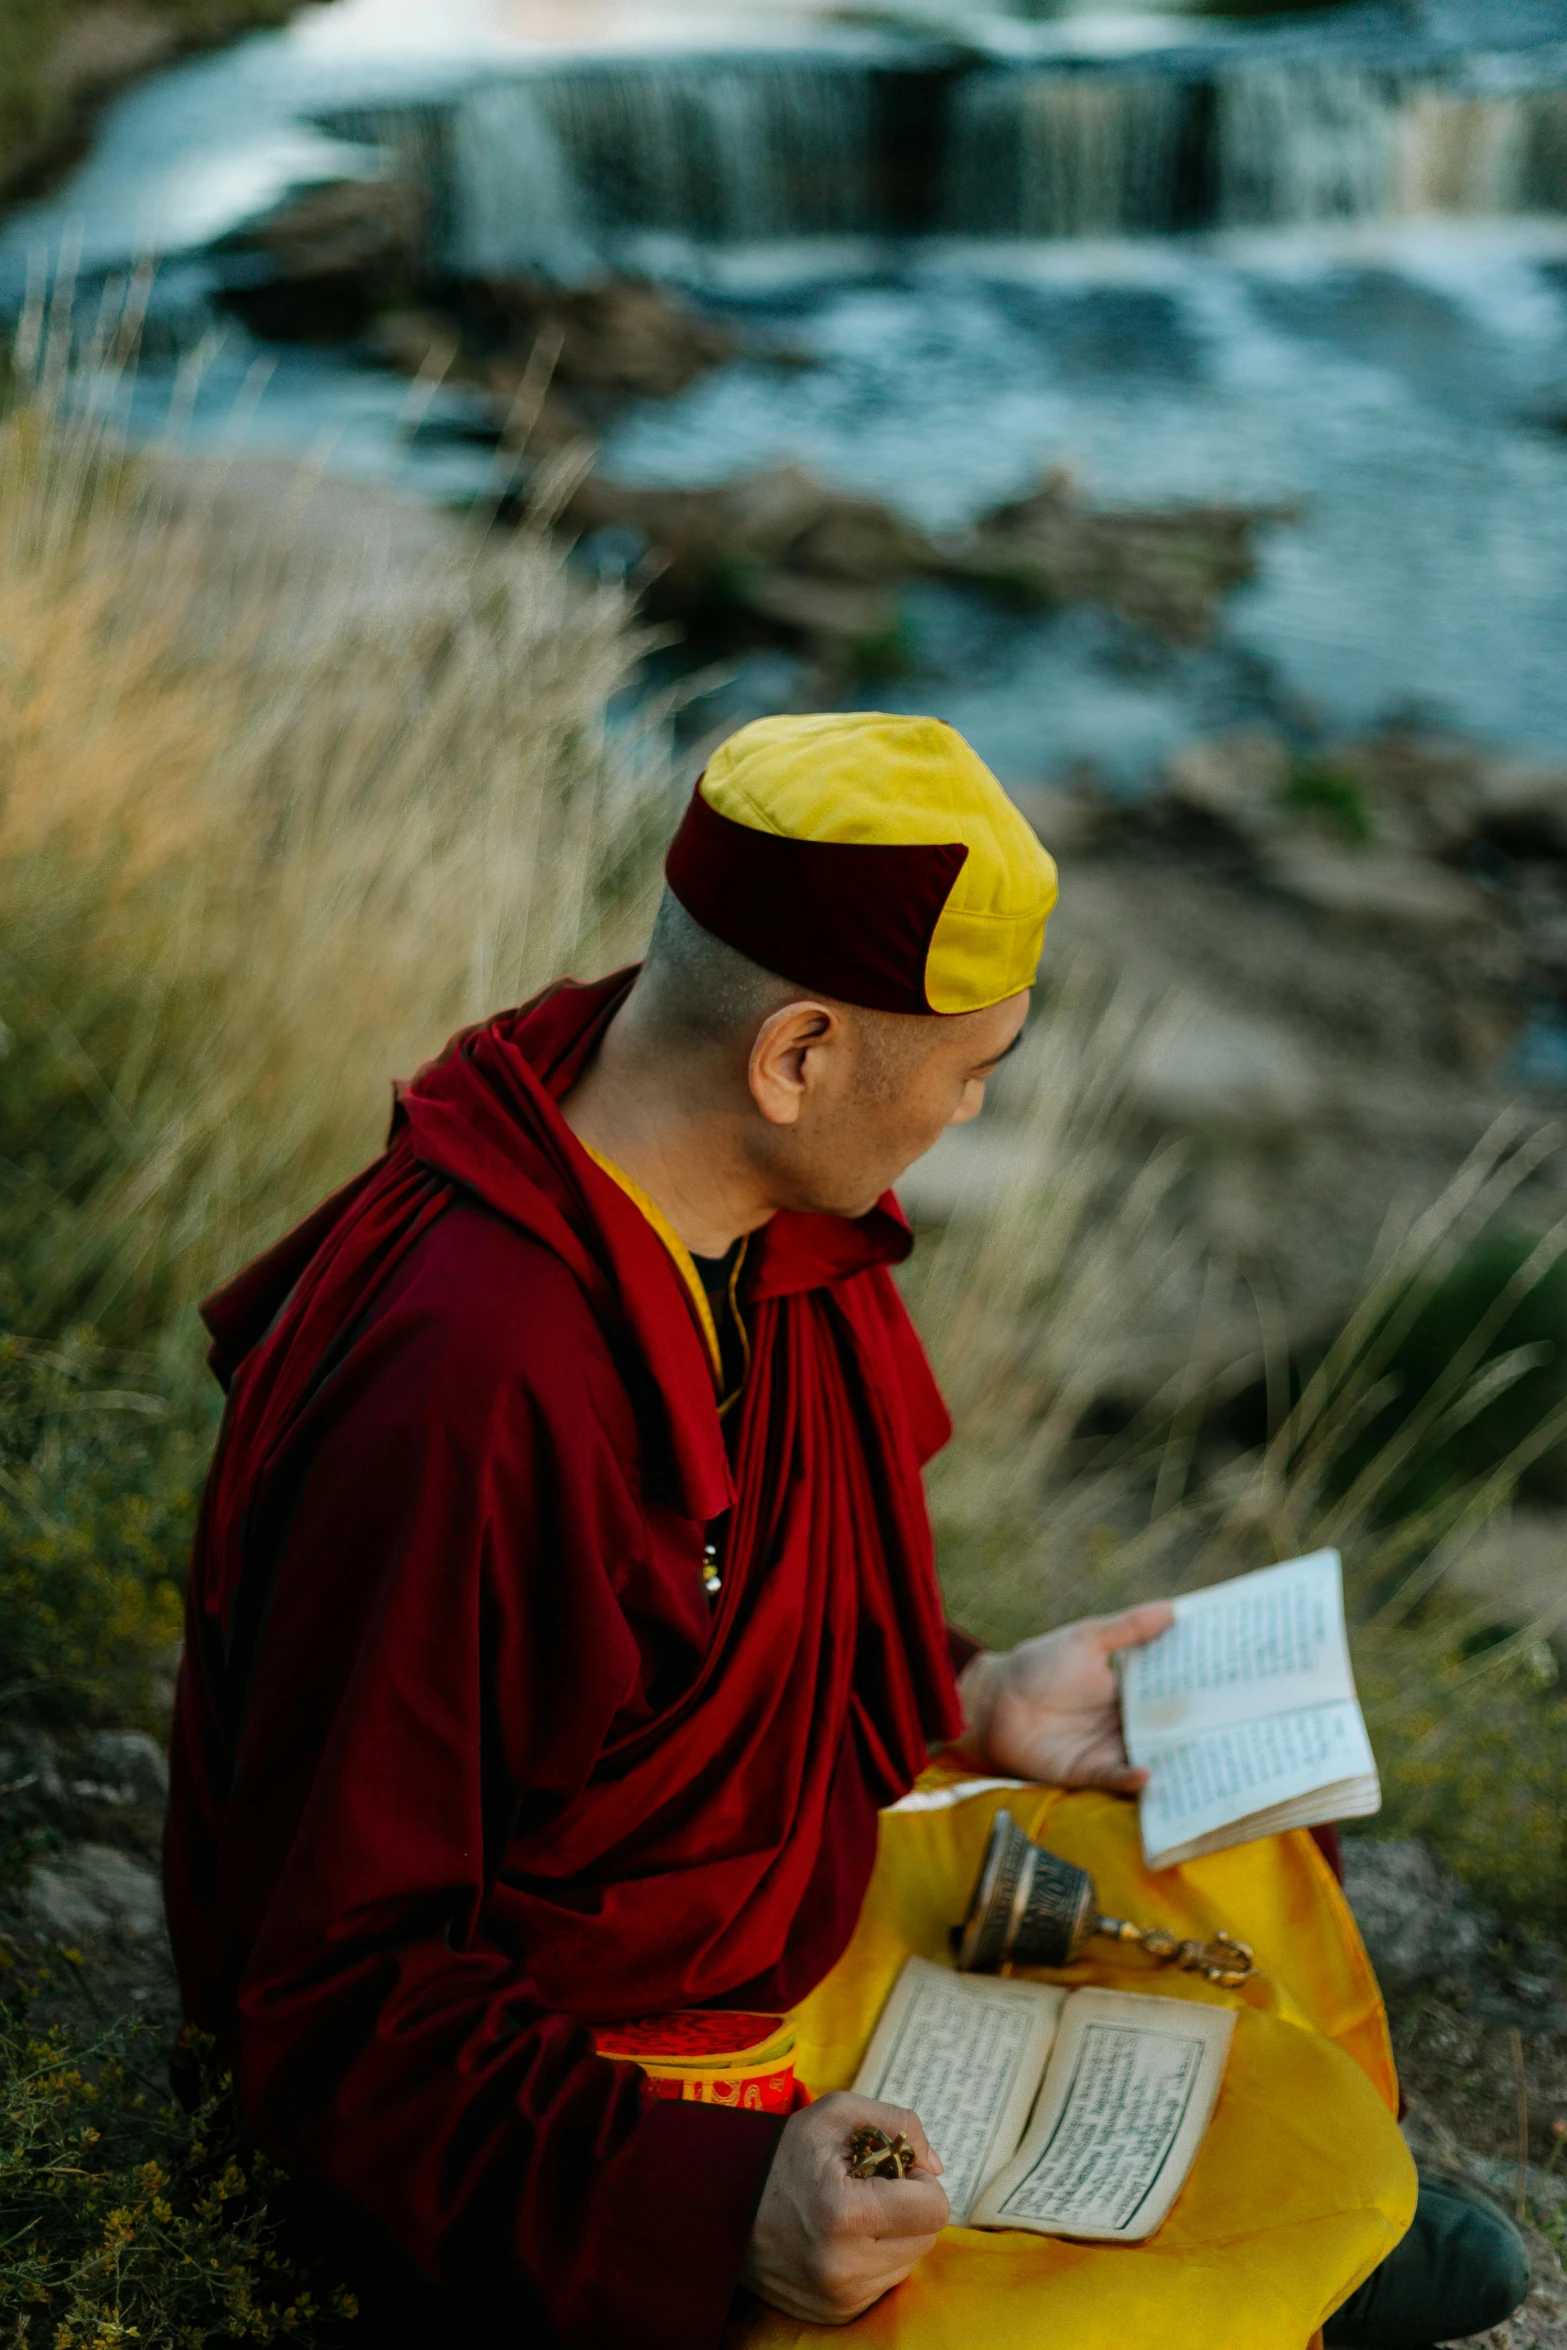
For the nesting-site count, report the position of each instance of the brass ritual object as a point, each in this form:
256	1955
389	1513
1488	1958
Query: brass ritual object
1031	1908
873	2155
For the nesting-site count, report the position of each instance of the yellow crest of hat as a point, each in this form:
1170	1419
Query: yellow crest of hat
873	779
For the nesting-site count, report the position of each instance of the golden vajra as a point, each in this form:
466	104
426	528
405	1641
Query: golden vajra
873	2155
1225	1959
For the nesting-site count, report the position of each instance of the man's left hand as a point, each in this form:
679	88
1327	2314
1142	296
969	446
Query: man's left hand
1050	1708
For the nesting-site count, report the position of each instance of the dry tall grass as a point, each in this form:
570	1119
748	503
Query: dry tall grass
264	842
1034	1303
1031	1303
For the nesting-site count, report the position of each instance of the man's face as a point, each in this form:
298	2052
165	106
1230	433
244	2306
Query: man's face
851	1100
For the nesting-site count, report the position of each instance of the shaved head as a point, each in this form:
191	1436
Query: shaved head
703	994
700	991
727	1091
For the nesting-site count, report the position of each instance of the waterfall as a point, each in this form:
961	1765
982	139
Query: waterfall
1461	154
1335	141
516	197
1304	142
1546	185
1061	155
551	169
1253	143
566	169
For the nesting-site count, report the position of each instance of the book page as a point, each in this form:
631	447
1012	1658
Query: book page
965	2052
1345	1799
1127	2097
1268	1643
1223	1776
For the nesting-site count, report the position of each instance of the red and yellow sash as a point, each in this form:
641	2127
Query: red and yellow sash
712	2058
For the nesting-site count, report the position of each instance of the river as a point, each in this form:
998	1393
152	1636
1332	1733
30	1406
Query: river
1312	260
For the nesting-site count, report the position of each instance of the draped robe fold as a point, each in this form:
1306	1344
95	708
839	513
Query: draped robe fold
466	1760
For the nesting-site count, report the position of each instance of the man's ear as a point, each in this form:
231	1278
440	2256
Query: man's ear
784	1058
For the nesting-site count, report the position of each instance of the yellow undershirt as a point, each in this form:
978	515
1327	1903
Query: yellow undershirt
677	1248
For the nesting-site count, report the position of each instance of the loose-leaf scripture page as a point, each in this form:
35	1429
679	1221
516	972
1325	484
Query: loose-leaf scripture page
964	2052
1126	2100
1245	1714
1071	2113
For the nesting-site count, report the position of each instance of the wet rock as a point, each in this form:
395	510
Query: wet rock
319	267
860	539
1165	568
1440	793
1417	1922
1421	787
777	544
841	620
701	535
1523	808
95	1889
1226	1073
1068	822
1409	793
336	227
414	342
623	336
555	361
1234	781
779	548
1391	891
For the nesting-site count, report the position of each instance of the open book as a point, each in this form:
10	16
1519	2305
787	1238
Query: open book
1245	1713
1075	2113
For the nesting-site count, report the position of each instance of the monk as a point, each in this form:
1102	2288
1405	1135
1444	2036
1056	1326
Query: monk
565	1661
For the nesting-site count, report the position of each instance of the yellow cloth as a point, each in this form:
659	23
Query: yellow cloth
1303	2184
867	779
685	1263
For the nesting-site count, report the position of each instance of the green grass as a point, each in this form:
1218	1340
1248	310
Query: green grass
125	2218
1504	1282
1333	798
98	1480
1473	1757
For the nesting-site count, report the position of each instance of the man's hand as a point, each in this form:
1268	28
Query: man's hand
1049	1709
825	2246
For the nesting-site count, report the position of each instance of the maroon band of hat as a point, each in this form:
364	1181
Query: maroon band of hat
854	920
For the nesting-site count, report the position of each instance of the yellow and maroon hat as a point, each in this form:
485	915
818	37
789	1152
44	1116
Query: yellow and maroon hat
873	857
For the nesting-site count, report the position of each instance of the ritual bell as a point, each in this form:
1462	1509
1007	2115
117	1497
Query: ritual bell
1032	1908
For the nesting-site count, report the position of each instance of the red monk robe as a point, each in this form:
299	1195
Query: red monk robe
466	1759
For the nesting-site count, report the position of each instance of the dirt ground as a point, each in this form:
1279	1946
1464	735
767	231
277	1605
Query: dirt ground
1470	2110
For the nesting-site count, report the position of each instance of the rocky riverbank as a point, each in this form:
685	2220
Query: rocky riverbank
776	557
59	59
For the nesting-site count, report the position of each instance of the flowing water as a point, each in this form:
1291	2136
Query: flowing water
1319	261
